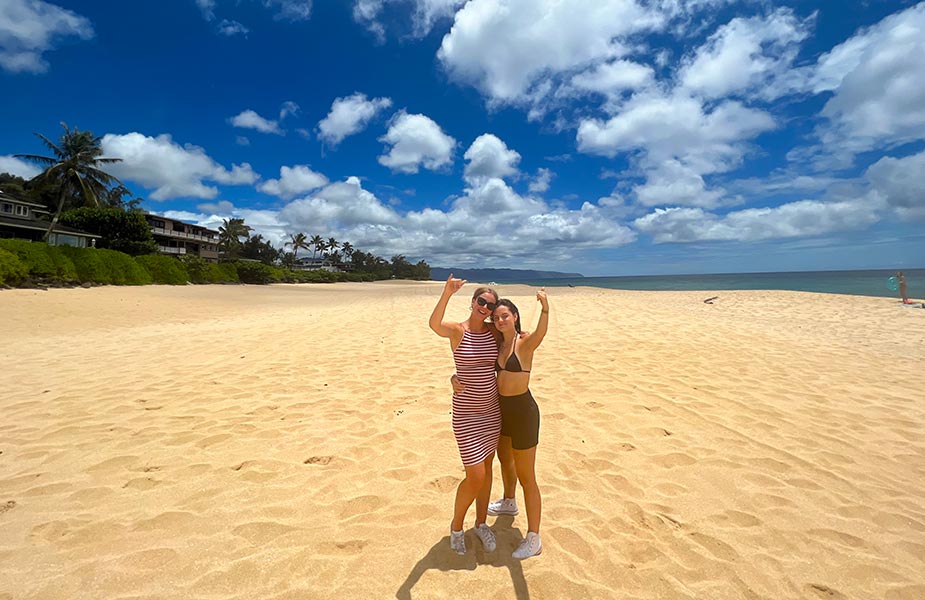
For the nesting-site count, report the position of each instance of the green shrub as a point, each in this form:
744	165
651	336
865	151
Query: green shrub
225	272
164	269
122	268
65	270
197	269
201	271
11	268
255	272
125	231
88	263
34	255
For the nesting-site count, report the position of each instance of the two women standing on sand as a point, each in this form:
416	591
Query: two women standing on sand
481	416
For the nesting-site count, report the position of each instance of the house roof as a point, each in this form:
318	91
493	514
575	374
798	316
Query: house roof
154	216
37	225
7	198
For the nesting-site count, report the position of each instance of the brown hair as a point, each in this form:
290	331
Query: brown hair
481	290
510	305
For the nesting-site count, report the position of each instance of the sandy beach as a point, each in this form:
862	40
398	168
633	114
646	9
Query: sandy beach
294	442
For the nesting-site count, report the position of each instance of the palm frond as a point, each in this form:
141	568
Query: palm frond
87	190
51	145
42	160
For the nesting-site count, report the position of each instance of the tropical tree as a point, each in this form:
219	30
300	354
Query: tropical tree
286	259
230	233
114	197
257	248
296	241
347	250
330	246
74	169
318	245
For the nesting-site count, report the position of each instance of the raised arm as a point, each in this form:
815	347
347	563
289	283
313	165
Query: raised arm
437	324
534	339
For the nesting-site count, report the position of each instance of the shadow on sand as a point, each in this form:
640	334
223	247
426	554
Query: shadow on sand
441	557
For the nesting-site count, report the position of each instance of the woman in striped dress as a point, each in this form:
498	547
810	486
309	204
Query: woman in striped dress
476	413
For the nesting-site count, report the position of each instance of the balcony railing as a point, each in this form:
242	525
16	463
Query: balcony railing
169	250
212	239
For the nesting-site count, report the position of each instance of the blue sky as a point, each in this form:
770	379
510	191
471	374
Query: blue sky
607	137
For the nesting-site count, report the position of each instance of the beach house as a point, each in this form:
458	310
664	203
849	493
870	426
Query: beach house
21	219
179	238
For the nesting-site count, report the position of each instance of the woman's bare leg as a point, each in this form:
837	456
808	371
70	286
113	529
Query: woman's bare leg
508	471
525	462
484	496
467	490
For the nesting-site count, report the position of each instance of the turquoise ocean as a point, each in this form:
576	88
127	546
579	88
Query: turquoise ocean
857	283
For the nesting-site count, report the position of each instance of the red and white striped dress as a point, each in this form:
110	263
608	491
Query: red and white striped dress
476	412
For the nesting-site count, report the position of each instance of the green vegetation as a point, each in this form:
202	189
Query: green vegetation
24	263
11	268
74	187
125	231
74	170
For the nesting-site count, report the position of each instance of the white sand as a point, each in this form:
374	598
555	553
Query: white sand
295	442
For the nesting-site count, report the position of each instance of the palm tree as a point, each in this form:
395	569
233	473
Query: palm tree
347	249
297	240
74	169
331	245
317	243
230	234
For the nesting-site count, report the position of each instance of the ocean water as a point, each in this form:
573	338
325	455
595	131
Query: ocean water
857	283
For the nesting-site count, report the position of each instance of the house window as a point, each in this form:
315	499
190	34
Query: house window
22	211
156	223
7	207
67	240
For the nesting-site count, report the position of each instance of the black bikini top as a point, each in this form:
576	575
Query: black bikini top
513	363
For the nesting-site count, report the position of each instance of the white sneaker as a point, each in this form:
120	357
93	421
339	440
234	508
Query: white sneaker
487	536
458	541
531	546
503	506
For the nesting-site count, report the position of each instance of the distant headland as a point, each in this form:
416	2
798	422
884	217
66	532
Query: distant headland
505	275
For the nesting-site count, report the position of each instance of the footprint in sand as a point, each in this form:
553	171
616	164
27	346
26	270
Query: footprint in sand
674	459
318	460
362	505
212	440
142	483
823	591
445	484
7	506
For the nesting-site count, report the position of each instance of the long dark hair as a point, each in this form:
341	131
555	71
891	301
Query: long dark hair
513	308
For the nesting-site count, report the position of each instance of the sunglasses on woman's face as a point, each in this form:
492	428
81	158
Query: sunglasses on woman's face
486	303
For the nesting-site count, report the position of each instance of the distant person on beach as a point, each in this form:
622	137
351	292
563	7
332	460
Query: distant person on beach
903	287
520	417
476	412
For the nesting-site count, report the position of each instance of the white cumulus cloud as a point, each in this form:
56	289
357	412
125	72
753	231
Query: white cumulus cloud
425	14
172	170
901	182
293	181
795	219
506	48
875	78
29	28
350	115
249	119
747	55
488	157
416	141
18	167
540	183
